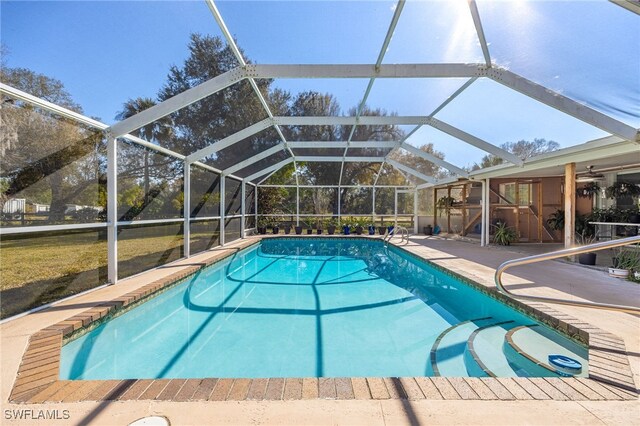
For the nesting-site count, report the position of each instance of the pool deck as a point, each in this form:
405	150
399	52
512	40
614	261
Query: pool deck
29	346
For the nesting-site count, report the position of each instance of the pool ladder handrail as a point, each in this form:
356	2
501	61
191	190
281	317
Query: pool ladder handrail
404	233
564	253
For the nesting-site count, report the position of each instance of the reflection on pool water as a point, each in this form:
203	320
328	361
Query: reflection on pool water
317	307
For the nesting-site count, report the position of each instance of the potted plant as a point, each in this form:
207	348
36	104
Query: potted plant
445	203
371	227
585	238
346	226
298	229
382	229
556	220
275	228
319	227
623	189
262	226
309	228
357	227
504	235
287	228
588	190
626	261
633	215
390	226
603	215
331	226
427	230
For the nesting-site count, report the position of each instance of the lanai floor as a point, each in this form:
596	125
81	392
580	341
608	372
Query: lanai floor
551	278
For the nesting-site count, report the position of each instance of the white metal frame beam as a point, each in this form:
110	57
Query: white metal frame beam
186	209
112	209
351	120
607	147
335	159
342	144
473	140
270	169
178	101
473	7
406	169
236	52
434	112
251	160
303	186
74	116
400	120
564	104
230	140
453	96
267	176
49	106
243	209
455	70
630	5
385	45
502	76
407	136
223	206
433	159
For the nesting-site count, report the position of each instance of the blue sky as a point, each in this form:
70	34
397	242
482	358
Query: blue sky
107	52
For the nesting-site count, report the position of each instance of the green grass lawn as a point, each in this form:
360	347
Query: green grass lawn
40	269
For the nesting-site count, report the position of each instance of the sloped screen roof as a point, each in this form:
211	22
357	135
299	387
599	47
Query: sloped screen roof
342	92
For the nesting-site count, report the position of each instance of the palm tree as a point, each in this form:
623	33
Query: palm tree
153	132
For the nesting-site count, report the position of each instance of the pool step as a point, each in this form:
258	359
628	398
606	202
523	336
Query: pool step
529	347
447	353
482	358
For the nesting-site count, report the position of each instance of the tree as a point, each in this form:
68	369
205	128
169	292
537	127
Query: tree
47	158
365	173
219	115
158	132
522	149
276	200
313	103
420	164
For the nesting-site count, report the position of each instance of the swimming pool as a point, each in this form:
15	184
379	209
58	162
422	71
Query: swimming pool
318	307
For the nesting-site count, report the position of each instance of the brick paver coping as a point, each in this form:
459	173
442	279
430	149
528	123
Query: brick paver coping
610	376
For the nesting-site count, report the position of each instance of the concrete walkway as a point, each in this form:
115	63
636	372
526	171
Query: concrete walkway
550	278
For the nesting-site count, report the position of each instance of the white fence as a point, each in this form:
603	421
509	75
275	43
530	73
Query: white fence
15	205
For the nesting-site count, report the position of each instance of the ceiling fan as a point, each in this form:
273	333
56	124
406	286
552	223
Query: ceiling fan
590	176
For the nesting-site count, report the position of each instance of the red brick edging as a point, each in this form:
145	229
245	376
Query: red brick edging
610	376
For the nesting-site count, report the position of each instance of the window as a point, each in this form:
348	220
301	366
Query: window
508	193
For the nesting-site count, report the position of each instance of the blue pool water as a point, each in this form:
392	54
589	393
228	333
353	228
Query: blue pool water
315	308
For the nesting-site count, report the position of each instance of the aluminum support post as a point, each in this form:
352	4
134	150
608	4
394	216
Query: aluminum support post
186	197
222	207
242	209
112	209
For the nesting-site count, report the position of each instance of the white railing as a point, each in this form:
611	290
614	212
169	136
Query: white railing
564	253
404	234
